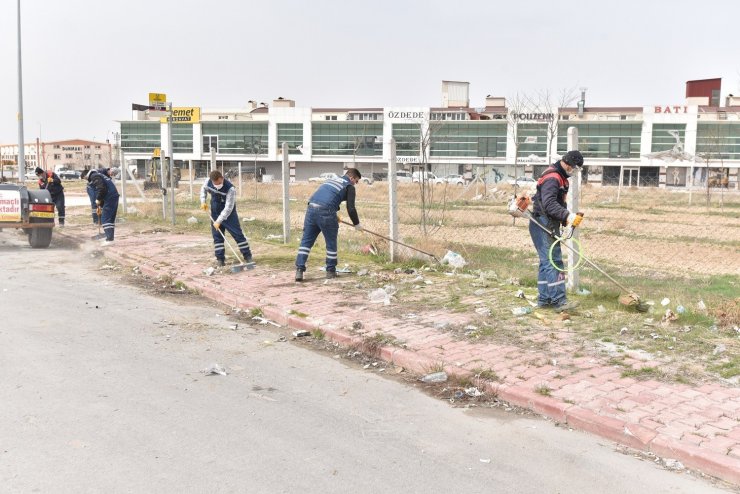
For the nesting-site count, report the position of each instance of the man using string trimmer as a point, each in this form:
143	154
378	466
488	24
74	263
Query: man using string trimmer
550	210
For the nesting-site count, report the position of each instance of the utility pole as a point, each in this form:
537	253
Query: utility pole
574	199
286	194
21	142
171	153
392	200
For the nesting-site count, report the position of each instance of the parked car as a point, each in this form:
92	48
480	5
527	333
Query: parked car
454	179
69	174
324	177
428	176
521	181
403	176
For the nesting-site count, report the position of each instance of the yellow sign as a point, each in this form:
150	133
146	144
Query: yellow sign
156	153
38	214
184	114
157	98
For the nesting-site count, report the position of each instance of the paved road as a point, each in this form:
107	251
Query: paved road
101	391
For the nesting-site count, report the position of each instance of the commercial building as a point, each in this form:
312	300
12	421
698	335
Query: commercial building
73	154
672	144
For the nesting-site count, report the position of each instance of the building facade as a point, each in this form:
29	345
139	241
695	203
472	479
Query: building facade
667	145
73	154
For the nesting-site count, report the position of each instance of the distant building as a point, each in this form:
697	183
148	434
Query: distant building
672	144
73	154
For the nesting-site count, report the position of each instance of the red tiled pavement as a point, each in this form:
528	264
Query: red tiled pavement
697	425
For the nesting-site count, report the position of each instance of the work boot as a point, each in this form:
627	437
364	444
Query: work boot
566	307
299	274
221	263
331	275
248	259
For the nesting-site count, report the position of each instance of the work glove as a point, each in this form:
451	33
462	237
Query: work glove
358	227
49	180
98	202
574	219
204	207
216	225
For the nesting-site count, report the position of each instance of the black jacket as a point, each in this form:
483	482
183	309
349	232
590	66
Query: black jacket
552	190
54	187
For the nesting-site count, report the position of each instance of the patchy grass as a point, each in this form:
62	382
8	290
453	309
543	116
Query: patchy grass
318	334
729	369
296	313
486	374
645	373
543	389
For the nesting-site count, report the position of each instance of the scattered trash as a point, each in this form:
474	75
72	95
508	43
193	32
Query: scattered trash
672	464
368	249
362	272
282	339
485	460
262	320
601	308
583	291
521	311
382	295
250	218
479	292
235	327
273	237
344	269
680	309
701	305
209	271
665	301
623	330
214	369
301	333
719	349
441	325
483	311
435	377
453	259
192	220
357	325
410	315
519	294
473	392
668	317
470	327
459	395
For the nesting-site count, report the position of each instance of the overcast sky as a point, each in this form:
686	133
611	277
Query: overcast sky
86	61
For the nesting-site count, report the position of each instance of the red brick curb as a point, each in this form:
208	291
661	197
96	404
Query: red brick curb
647	435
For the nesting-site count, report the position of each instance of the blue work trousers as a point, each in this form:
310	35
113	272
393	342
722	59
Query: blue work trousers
550	281
91	195
108	217
230	224
319	220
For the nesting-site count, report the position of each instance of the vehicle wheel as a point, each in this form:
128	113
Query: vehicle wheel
40	238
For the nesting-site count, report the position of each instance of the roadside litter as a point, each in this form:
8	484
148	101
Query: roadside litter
192	220
382	295
301	333
262	320
453	259
521	311
435	377
214	369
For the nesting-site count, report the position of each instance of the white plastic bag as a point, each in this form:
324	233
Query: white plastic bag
453	259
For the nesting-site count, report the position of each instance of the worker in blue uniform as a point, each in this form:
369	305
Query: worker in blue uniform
224	216
321	217
106	197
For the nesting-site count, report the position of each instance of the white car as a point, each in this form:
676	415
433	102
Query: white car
428	176
324	177
454	179
403	176
520	181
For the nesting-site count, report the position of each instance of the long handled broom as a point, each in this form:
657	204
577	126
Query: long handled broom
394	241
239	267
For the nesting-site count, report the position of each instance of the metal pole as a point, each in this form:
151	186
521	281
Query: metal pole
621	179
162	186
21	143
190	171
392	201
574	199
122	166
171	153
213	158
240	178
286	194
256	150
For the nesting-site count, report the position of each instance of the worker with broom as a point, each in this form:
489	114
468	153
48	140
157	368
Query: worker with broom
223	216
550	210
105	200
321	217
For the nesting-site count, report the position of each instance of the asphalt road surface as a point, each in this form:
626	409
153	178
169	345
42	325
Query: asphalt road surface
102	391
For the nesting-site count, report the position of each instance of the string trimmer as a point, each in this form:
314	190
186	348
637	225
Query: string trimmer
394	241
519	208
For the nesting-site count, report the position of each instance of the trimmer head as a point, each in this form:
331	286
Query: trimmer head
633	300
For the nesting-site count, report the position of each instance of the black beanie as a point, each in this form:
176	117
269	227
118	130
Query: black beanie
39	171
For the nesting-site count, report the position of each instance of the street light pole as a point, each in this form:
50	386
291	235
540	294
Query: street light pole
21	143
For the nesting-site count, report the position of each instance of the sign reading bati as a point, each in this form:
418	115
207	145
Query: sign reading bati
674	108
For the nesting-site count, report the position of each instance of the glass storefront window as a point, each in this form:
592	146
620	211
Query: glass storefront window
347	138
140	137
